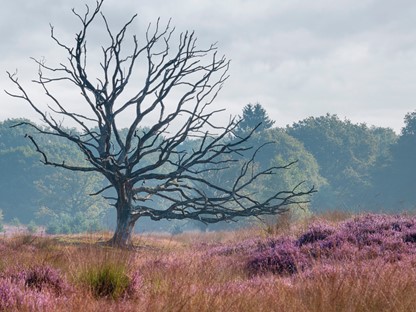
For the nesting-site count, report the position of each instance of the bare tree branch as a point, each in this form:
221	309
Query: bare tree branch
175	177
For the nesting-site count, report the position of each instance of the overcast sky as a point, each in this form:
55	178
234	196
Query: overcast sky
298	58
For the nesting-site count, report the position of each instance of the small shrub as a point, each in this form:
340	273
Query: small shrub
284	258
410	237
45	277
108	280
36	289
316	232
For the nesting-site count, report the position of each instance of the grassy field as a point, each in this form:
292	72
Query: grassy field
363	263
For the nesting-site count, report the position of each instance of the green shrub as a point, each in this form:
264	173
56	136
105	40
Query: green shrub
108	280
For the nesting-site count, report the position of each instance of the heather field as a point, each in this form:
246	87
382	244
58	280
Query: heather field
360	263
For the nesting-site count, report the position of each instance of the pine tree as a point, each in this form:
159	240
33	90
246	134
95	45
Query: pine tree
254	116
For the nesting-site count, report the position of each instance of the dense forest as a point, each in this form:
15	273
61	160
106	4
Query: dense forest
354	167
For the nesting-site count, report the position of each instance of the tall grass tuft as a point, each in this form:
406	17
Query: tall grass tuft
108	280
108	276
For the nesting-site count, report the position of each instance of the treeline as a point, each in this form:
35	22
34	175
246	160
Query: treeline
354	167
32	192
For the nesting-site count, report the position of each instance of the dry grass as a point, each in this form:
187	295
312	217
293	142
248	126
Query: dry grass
183	273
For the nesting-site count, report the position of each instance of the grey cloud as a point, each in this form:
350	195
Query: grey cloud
298	58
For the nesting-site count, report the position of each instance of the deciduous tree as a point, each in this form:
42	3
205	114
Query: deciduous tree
173	101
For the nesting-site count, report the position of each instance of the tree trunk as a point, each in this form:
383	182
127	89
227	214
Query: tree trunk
125	223
124	230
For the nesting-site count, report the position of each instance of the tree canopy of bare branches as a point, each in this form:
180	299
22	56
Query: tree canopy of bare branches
180	83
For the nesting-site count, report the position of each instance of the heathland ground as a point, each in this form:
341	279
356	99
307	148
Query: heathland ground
329	263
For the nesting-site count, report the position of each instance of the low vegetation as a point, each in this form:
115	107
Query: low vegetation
362	263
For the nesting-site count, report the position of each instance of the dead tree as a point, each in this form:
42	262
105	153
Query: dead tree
173	101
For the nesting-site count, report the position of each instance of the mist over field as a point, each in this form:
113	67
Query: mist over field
356	168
